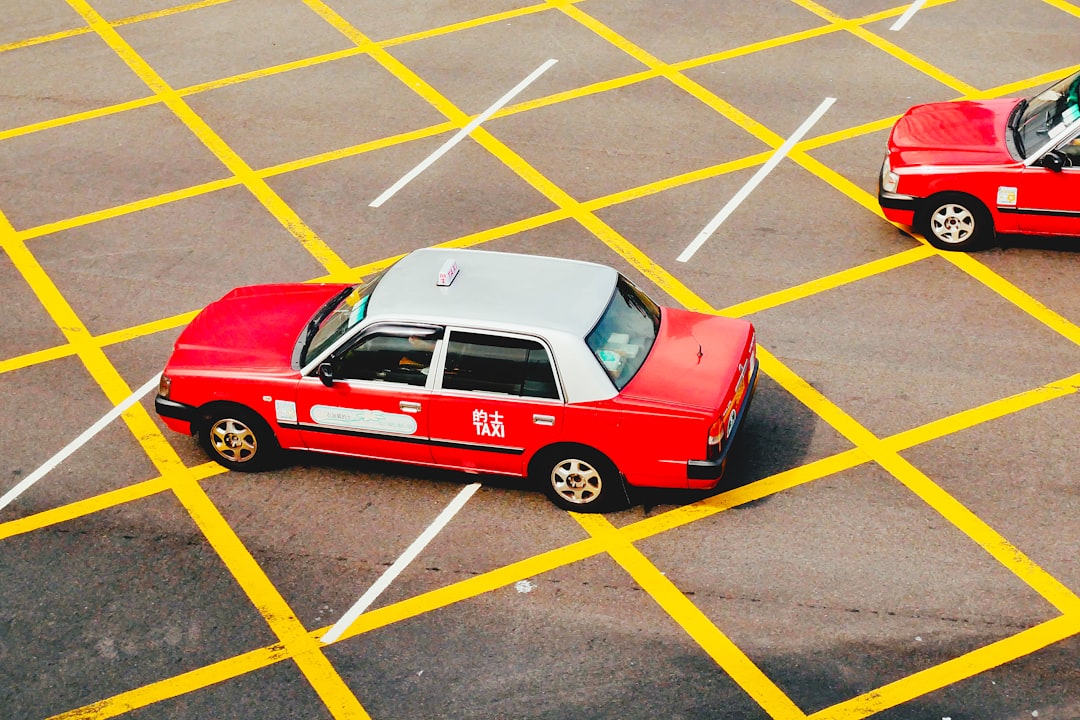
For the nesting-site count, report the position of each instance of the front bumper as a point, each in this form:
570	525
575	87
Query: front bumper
177	416
710	471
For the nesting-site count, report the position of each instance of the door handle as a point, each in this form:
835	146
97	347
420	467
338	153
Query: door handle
544	419
409	406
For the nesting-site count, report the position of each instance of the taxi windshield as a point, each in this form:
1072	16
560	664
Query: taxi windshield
1047	115
626	332
338	316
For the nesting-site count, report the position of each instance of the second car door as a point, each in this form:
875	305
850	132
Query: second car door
497	402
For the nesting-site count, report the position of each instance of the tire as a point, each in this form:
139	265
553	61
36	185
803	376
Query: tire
239	439
580	479
952	221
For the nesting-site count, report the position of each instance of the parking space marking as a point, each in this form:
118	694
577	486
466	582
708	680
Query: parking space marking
391	573
908	14
84	437
726	654
462	133
233	162
779	154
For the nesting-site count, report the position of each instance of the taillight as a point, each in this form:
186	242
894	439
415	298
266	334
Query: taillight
716	430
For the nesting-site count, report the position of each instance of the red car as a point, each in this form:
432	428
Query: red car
959	172
553	369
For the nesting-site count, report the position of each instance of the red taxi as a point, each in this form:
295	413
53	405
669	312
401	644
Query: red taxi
959	172
552	369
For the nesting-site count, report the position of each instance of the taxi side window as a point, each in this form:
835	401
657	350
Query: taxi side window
389	358
490	363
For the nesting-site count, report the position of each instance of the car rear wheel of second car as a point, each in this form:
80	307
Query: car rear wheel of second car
581	479
953	221
239	439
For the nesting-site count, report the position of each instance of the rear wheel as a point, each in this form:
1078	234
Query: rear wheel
581	479
952	221
239	439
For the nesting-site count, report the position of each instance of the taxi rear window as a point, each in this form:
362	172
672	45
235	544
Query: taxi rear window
625	333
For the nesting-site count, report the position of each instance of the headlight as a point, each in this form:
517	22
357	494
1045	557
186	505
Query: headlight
889	179
164	385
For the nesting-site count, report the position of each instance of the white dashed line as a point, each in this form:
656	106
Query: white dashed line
400	564
912	9
409	176
745	190
78	442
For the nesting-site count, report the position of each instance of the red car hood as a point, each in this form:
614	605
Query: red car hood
952	133
251	327
694	361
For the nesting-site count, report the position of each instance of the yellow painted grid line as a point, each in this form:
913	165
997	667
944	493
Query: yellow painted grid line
695	623
1067	7
177	685
533	566
855	27
953	671
633	250
83	30
91	355
304	650
248	574
236	165
241	77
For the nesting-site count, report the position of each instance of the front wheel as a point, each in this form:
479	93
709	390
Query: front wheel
580	479
239	439
952	221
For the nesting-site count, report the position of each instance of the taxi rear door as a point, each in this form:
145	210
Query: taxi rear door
496	402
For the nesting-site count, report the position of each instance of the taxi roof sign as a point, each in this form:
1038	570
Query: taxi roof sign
447	273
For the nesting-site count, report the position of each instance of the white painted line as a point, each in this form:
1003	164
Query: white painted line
400	564
409	176
745	190
77	443
912	9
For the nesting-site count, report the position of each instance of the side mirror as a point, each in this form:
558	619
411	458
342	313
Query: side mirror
326	374
1053	161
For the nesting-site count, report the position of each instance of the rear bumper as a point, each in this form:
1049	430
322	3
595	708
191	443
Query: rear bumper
704	474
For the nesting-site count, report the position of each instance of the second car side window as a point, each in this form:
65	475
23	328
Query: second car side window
493	363
390	358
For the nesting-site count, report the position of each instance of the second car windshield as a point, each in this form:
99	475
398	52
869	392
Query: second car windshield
335	319
1049	113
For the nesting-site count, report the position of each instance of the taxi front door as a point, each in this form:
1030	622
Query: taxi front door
1049	200
377	403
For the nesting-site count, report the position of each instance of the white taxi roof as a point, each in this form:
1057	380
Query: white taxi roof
511	291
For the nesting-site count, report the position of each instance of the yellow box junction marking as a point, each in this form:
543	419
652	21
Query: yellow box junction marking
299	644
